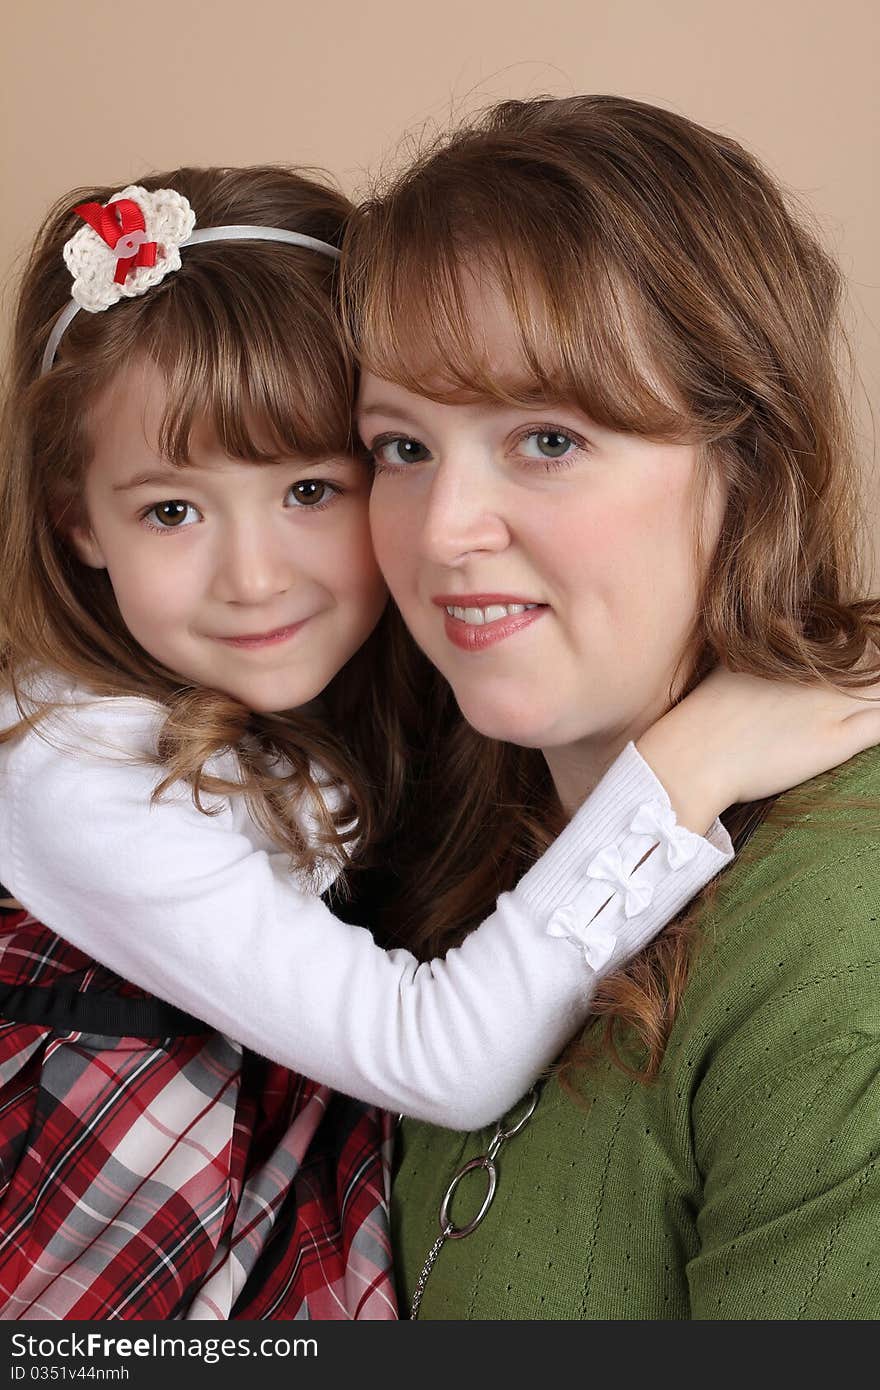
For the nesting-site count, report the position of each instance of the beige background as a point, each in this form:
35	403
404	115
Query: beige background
103	90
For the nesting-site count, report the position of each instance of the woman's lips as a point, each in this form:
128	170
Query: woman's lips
264	639
477	624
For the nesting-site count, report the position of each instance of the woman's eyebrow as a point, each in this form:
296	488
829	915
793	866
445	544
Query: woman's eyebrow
385	408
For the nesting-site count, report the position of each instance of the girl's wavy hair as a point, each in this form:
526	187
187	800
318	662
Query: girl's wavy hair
659	281
247	337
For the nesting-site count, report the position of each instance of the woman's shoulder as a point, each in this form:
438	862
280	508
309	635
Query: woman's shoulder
787	960
773	1063
816	858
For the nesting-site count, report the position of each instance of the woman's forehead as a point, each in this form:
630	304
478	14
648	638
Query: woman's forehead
488	336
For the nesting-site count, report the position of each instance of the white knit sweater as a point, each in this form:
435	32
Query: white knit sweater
205	913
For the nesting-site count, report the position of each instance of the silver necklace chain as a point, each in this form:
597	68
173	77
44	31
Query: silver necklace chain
486	1161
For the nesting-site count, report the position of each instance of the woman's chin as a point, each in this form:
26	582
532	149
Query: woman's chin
524	727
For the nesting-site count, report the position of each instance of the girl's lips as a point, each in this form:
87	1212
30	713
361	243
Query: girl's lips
264	639
476	637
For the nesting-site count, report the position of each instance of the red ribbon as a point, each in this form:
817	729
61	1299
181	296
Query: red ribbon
115	223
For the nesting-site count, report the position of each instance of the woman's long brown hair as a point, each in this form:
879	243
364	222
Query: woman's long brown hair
247	337
660	281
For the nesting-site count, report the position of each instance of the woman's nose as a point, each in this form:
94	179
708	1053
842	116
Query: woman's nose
463	514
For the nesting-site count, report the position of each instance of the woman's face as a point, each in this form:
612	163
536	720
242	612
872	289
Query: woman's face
546	566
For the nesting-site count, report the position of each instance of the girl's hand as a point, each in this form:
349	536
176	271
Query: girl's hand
741	738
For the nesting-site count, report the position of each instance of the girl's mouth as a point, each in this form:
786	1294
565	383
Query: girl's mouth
264	639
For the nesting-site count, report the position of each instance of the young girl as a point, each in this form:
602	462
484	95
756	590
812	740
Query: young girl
197	740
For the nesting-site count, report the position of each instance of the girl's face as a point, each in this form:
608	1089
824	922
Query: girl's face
257	580
546	566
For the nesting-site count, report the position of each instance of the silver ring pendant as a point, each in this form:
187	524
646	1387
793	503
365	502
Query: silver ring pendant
532	1099
452	1231
486	1161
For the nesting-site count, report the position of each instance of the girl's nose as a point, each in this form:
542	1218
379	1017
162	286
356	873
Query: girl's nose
254	564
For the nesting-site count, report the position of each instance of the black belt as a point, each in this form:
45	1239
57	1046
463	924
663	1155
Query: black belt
60	1007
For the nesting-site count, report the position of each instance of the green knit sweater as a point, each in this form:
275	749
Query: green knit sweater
745	1182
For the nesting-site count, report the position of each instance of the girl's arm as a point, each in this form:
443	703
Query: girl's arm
183	905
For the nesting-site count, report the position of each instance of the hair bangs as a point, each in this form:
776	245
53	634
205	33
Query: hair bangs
420	272
255	350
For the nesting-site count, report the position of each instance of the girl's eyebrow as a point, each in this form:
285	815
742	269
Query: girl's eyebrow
154	479
162	476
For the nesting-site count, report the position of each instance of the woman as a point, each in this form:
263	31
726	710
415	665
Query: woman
612	451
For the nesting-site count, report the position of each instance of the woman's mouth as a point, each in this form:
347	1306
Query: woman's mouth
476	621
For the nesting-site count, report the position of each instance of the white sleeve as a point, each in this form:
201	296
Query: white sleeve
183	905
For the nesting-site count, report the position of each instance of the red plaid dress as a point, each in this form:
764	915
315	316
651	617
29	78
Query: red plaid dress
152	1169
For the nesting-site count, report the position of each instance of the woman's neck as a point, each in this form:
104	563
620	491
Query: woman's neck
577	768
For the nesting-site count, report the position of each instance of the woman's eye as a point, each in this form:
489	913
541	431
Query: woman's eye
170	516
547	444
396	453
310	492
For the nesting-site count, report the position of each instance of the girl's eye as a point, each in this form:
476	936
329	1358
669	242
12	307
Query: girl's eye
311	492
397	452
171	516
547	444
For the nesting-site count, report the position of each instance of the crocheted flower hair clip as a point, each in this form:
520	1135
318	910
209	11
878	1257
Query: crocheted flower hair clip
127	245
133	241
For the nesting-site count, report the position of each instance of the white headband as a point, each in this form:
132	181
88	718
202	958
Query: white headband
133	242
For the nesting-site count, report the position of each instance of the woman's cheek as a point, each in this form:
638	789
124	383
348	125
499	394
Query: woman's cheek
394	530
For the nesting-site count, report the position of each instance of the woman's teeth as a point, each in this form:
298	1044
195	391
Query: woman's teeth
490	614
